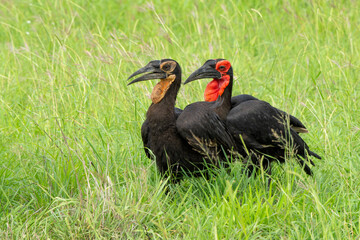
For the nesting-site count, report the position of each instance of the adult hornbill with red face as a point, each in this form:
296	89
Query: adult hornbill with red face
177	149
261	131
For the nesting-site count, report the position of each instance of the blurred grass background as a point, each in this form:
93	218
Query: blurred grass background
71	158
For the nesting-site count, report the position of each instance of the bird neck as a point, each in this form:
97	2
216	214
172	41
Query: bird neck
223	103
164	109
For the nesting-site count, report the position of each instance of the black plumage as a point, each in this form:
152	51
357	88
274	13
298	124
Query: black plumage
261	132
164	132
203	124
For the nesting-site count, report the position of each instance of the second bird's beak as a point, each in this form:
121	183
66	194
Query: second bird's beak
153	72
203	72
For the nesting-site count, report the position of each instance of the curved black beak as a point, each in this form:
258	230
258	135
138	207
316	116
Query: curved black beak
205	71
153	72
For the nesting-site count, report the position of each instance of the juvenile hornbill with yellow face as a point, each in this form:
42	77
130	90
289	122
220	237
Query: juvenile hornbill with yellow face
177	149
261	131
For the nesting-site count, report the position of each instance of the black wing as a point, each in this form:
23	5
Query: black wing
263	128
145	137
295	123
145	132
203	129
237	100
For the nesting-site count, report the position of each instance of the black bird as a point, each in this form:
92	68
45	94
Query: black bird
176	150
261	131
203	124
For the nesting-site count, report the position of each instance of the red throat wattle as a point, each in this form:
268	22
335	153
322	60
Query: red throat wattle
215	88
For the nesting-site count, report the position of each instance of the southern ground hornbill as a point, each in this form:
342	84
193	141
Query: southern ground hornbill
262	132
175	141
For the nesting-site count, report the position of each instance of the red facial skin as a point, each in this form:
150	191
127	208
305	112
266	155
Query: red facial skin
216	87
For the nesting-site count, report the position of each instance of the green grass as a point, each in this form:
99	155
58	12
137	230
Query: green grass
71	158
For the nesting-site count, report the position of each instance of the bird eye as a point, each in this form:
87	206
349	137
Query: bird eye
166	67
222	67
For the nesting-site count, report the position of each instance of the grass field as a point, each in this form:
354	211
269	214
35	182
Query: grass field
71	159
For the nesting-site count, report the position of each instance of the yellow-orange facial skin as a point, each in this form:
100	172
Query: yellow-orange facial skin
161	87
216	87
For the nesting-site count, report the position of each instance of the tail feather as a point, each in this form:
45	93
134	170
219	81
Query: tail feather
305	167
311	153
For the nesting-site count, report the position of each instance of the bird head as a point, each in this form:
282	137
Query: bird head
220	71
166	70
